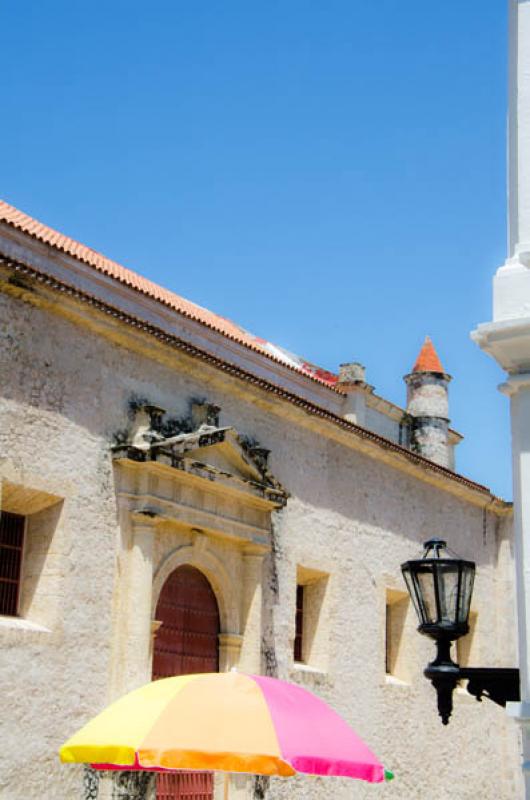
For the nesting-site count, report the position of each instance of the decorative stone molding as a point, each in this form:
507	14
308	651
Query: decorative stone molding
146	424
219	578
208	451
515	384
229	651
506	341
139	572
155	627
200	541
204	414
209	479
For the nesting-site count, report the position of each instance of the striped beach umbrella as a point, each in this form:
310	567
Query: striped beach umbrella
229	722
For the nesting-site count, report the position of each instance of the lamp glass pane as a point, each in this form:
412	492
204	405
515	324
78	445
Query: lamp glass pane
466	590
447	577
412	591
425	580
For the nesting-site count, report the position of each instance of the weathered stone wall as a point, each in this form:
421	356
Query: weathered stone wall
350	519
427	394
428	413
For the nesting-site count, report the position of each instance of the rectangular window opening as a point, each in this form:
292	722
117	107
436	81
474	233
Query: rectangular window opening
396	608
299	624
312	620
11	547
388	640
466	646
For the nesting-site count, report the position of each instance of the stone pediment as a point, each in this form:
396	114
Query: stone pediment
217	447
209	451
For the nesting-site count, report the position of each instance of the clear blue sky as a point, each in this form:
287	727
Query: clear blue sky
331	175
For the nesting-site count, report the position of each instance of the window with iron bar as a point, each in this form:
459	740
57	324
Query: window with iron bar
11	547
299	624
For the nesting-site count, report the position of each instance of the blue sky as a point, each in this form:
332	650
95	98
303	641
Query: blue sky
330	175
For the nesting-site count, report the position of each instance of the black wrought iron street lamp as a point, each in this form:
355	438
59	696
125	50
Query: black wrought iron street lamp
440	588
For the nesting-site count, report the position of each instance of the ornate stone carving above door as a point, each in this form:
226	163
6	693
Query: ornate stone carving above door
208	477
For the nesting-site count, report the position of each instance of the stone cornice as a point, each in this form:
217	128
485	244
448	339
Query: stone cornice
508	342
197	473
515	383
367	441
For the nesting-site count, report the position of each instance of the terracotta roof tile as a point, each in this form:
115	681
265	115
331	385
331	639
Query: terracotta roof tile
428	360
12	216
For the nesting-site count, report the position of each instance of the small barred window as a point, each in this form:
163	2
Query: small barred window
299	625
11	544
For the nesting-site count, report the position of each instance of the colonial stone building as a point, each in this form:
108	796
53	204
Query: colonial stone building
180	496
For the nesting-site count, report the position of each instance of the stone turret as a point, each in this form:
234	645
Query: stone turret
428	406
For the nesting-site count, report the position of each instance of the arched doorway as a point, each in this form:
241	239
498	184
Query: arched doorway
187	642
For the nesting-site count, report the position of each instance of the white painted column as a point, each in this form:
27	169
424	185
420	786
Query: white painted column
511	292
511	301
518	389
519	130
507	339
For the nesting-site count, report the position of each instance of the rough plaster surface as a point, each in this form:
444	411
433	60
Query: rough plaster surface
350	516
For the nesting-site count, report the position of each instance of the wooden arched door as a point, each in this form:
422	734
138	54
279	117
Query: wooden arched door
187	642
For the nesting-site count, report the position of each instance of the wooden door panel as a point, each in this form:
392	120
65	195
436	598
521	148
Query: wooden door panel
187	642
186	786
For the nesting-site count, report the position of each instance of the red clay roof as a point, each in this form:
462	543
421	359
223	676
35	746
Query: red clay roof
12	216
428	360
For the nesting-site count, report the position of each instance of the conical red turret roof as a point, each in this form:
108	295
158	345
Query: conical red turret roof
428	360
